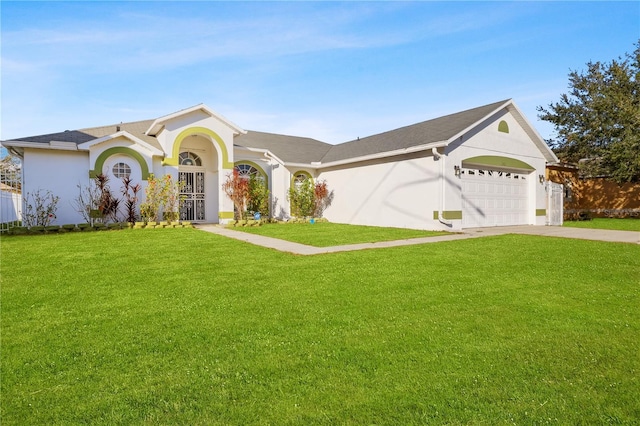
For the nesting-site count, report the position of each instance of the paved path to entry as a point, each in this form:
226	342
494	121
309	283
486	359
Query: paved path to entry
548	231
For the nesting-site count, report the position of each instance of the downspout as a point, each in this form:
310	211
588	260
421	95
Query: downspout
441	157
271	204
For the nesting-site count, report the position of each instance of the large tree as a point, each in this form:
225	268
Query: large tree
598	122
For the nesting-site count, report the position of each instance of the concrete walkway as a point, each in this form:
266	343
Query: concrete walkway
548	231
631	237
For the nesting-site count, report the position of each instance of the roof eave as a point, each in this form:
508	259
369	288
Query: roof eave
266	152
376	156
548	154
123	133
158	124
57	145
476	123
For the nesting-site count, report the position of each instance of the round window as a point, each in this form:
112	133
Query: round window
121	170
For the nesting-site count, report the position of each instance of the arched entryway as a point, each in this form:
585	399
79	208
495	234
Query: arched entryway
198	171
192	176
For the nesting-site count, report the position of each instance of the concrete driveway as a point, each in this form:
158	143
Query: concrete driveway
562	232
547	231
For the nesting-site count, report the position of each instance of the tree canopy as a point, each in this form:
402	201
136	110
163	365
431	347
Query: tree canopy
598	122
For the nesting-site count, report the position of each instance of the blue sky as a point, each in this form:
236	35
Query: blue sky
332	71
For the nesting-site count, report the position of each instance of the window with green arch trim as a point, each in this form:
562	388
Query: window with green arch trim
299	177
503	127
249	168
144	168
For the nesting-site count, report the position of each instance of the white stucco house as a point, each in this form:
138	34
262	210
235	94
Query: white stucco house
475	168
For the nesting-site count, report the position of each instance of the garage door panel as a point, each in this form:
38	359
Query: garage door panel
493	198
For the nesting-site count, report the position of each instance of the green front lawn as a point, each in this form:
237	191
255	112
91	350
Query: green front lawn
606	223
325	234
179	326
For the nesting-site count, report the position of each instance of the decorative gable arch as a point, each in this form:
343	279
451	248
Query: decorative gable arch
216	139
97	169
490	161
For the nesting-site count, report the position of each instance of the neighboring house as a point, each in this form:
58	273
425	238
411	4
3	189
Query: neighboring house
480	167
596	196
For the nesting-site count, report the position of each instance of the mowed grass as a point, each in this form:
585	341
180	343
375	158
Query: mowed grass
180	326
630	224
326	234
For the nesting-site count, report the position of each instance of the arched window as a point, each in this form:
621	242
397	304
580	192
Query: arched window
503	127
189	159
299	178
247	170
121	170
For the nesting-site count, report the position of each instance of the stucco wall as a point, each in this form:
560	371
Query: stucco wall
59	172
198	119
402	193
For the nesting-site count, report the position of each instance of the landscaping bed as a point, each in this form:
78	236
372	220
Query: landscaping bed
88	227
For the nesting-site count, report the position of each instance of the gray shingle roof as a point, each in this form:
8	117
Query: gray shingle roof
291	149
295	149
74	136
136	128
435	130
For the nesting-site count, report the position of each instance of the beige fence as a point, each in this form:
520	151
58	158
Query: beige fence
598	197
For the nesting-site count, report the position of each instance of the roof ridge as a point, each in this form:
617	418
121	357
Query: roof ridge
125	123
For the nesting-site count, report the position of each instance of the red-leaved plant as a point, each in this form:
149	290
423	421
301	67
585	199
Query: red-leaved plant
322	198
237	189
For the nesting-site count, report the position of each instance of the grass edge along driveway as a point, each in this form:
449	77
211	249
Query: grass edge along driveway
327	234
181	326
628	224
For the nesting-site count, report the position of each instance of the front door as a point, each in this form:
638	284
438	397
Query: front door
192	194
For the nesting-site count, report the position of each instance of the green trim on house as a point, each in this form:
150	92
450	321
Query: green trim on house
496	161
225	215
503	127
173	160
448	215
541	212
119	150
304	172
260	169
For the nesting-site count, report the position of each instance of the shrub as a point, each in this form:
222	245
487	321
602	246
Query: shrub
97	198
309	199
237	189
40	208
302	199
258	199
162	196
322	198
107	204
130	193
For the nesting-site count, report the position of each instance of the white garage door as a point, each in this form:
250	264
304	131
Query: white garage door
493	198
